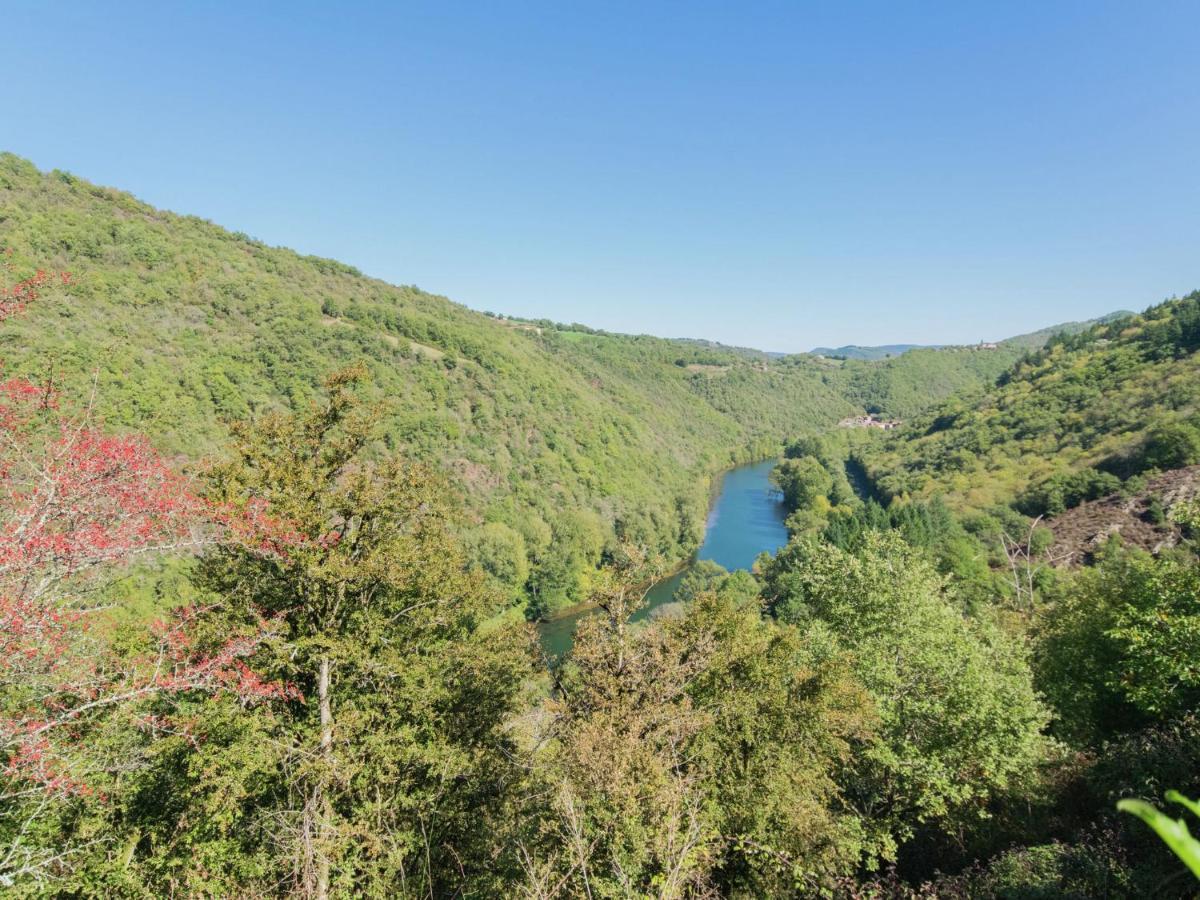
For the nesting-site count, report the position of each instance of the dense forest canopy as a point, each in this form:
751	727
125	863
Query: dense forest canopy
1059	506
273	644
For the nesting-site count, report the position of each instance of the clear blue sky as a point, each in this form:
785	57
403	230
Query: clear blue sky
780	175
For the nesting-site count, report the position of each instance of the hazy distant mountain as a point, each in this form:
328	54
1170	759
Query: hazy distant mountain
853	351
1032	340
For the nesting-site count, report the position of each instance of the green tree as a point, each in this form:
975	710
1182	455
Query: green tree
702	577
802	481
500	551
1171	446
959	719
696	756
391	776
781	716
626	812
1119	648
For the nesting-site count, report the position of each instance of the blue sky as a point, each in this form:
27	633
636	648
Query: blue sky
779	175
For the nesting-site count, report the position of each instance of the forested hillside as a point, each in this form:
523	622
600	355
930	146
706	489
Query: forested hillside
1068	423
1062	504
1033	340
904	386
560	440
350	480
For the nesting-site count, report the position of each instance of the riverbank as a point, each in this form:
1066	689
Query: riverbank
745	518
577	609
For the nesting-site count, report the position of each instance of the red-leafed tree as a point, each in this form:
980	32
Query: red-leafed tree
16	294
75	503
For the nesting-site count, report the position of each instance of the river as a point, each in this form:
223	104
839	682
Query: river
745	520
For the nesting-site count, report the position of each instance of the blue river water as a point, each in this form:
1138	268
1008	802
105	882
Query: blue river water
745	520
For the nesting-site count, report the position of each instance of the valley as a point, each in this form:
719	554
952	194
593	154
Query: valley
289	544
745	519
558	439
574	451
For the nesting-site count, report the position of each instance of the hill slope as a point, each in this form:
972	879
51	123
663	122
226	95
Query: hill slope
1033	340
1067	424
1037	339
560	439
904	386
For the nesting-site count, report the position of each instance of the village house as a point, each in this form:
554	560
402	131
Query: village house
869	421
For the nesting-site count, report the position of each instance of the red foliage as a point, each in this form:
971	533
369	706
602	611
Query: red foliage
34	760
73	502
14	298
72	498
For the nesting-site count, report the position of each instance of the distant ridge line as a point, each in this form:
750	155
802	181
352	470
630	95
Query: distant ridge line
1032	340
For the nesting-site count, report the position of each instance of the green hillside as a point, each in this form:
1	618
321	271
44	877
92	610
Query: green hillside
1034	340
898	685
559	438
1106	419
1068	423
903	386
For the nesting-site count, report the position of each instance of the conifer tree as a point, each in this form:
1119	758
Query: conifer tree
393	770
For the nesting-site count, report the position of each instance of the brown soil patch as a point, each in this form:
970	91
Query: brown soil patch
1080	532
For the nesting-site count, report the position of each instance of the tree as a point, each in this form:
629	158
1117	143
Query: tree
803	481
781	717
75	505
1119	648
707	577
1171	446
559	577
702	577
695	756
959	719
1027	560
501	552
15	297
626	813
395	773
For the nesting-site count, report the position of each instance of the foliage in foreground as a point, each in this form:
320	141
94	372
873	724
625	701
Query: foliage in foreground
396	767
1174	832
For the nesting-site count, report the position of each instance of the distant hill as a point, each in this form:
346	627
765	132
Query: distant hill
1036	339
1032	340
900	387
853	351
